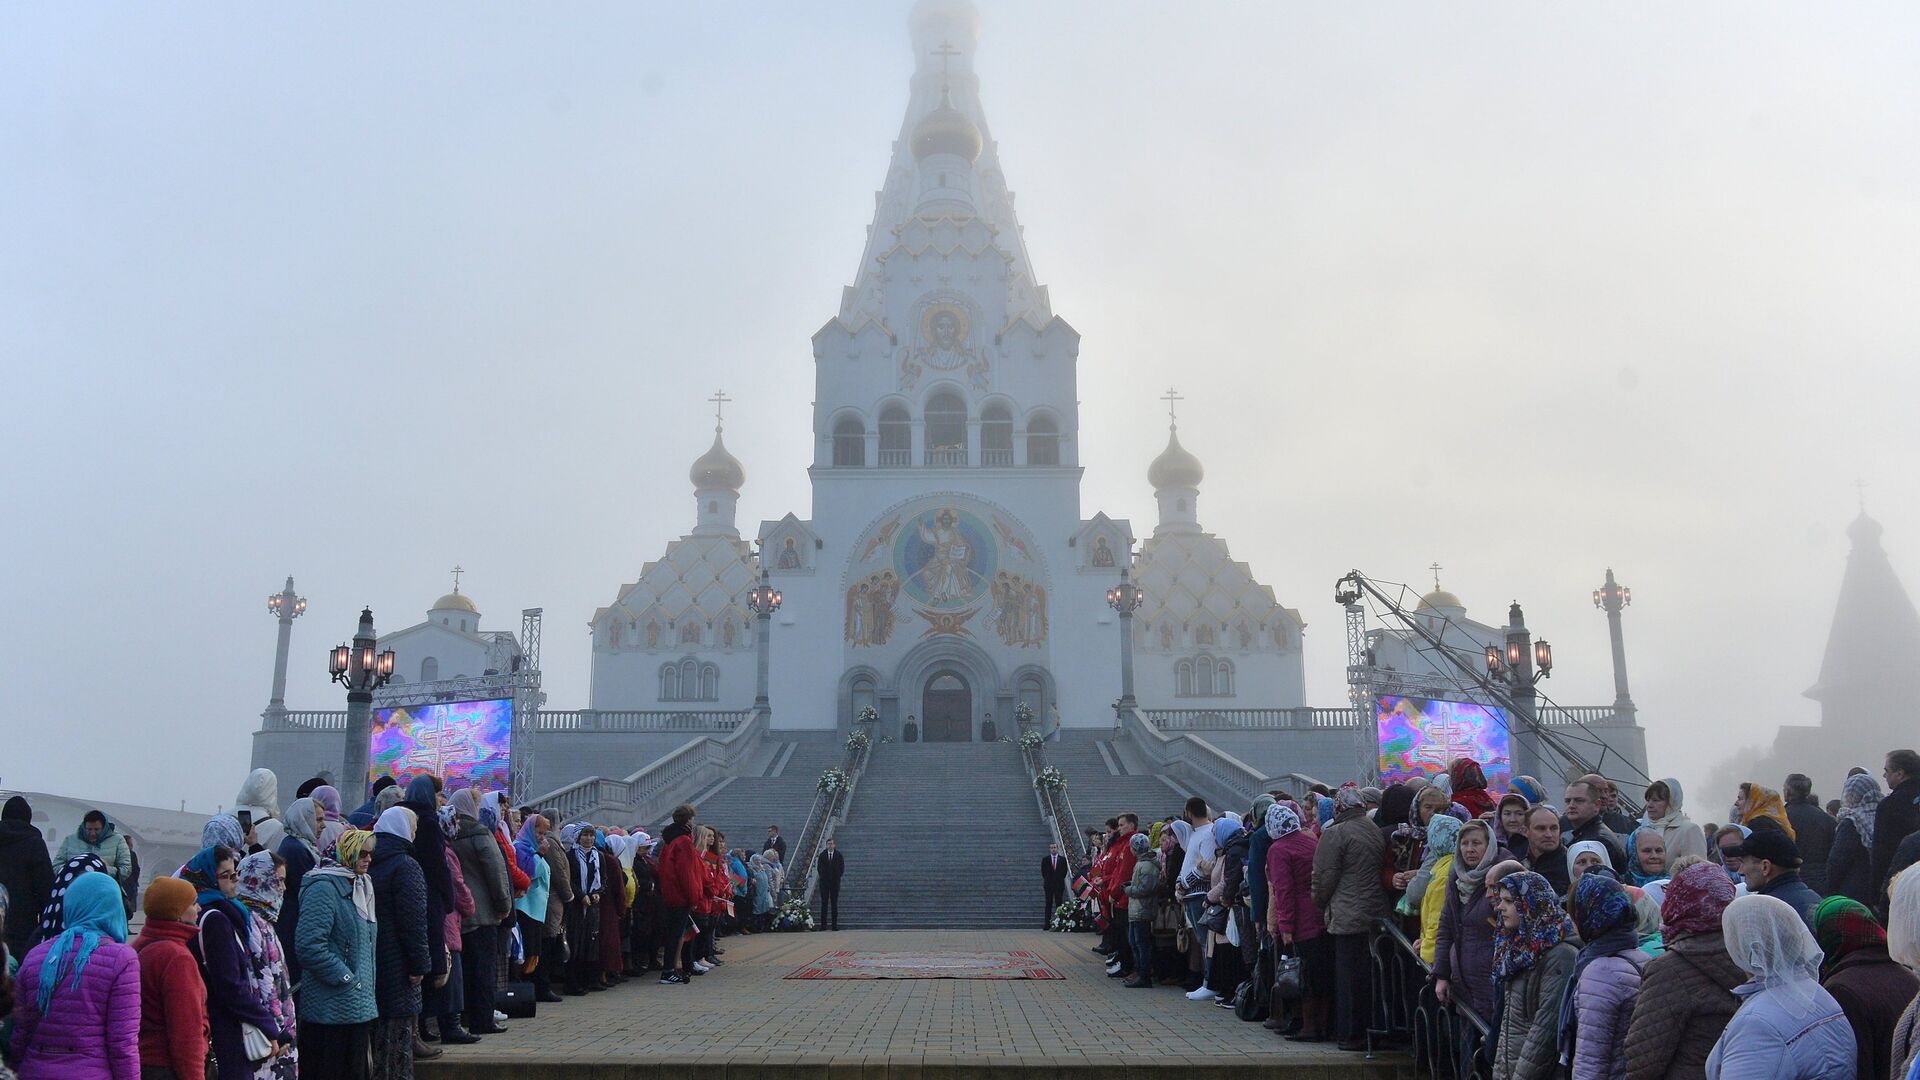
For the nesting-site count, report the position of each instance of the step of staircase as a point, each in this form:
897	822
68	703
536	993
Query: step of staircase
1097	792
942	836
744	806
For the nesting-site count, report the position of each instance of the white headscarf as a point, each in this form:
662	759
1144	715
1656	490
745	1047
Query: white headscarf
1595	846
1903	920
397	821
1767	939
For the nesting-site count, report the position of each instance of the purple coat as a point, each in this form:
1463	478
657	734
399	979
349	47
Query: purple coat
92	1032
227	966
1290	877
1463	946
1602	1007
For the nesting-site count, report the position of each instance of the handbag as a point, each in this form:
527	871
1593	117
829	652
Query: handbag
517	1000
1254	999
562	952
1289	979
254	1042
1213	918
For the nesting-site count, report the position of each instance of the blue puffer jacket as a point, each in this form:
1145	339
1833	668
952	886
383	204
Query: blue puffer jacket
400	910
1772	1037
336	947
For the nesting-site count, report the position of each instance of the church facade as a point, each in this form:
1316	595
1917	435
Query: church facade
944	576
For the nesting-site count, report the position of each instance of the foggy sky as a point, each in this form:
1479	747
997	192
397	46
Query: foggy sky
362	292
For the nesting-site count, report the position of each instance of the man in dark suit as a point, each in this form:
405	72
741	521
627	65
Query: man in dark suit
775	842
828	868
1053	875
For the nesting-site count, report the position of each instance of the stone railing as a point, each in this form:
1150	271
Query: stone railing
1203	719
1193	760
826	814
1589	715
641	719
304	720
1056	807
647	795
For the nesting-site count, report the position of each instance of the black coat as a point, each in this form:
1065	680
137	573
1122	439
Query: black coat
1052	875
1813	834
27	872
400	912
299	861
779	844
829	866
1849	865
430	852
1893	820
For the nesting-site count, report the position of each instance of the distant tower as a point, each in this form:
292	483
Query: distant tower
285	606
1611	598
1874	644
717	478
1175	476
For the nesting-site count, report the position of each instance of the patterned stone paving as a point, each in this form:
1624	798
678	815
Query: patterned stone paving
745	1019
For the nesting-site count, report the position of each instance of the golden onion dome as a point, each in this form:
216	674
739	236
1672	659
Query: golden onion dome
453	601
717	469
947	130
1175	467
1440	600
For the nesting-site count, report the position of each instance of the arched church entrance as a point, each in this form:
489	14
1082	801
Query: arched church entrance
946	708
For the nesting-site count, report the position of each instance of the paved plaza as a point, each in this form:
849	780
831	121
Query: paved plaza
746	1019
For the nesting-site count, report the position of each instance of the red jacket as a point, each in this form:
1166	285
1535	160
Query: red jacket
517	879
718	888
173	1000
682	881
1120	872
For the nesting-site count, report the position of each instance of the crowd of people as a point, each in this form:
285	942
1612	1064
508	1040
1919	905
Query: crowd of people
344	942
1585	941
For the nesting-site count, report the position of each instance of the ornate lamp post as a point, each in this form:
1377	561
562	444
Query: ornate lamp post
1126	599
763	600
362	671
1611	598
285	606
1519	667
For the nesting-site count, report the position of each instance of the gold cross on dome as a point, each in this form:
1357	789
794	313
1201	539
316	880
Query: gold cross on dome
1436	568
719	400
457	571
1172	398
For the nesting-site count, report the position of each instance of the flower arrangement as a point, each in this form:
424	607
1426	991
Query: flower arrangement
1031	740
1023	712
868	715
794	915
832	782
1070	918
1051	779
859	740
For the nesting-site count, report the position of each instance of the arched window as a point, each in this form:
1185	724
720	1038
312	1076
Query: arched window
1223	678
669	683
1203	677
1183	678
689	679
896	437
430	669
996	435
1043	441
850	442
710	683
946	429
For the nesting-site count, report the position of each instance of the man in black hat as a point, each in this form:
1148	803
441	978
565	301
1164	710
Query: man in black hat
1769	862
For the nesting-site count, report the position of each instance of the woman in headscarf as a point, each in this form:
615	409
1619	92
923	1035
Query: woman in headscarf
327	798
1582	857
1760	807
1510	825
1167	931
530	908
1426	893
477	852
613	910
402	958
1531	963
583	911
1850	859
1469	786
1646	856
1903	944
1598	1003
1528	788
263	883
1257	842
1856	969
223	830
53	913
1463	940
300	851
260	796
1664	814
336	940
1292	918
1227	968
446	1002
762	893
227	963
429	850
77	998
1787	1028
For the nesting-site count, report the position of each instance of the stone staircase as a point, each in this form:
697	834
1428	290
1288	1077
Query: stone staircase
1098	791
742	807
942	836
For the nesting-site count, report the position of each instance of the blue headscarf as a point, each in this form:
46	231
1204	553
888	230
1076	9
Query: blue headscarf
223	830
1634	874
526	846
420	790
1224	830
1324	811
93	908
203	873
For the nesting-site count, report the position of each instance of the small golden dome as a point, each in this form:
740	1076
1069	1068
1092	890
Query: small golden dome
947	130
1440	599
453	601
1175	468
717	469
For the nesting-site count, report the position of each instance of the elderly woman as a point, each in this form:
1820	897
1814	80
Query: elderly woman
1787	1027
583	911
1855	968
1850	859
1463	939
1293	919
336	940
402	958
1687	993
300	851
263	882
1532	961
1646	856
485	873
762	893
1903	944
